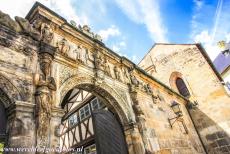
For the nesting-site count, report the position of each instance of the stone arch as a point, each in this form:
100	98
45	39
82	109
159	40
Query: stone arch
172	81
100	89
8	91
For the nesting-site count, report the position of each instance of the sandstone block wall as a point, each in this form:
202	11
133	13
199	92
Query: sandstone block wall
212	115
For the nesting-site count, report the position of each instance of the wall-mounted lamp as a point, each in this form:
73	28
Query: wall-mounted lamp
192	105
176	109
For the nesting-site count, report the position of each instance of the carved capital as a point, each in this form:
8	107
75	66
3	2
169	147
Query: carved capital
46	48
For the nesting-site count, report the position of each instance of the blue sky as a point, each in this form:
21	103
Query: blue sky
131	27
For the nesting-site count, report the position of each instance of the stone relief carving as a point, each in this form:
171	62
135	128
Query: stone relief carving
80	54
9	88
117	73
65	73
107	67
46	33
45	84
126	75
63	46
148	89
98	61
134	80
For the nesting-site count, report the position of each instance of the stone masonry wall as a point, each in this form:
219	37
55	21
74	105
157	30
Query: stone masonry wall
160	137
212	115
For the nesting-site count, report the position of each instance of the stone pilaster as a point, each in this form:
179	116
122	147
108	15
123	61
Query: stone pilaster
134	140
21	125
56	115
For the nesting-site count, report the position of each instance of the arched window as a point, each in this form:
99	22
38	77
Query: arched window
183	90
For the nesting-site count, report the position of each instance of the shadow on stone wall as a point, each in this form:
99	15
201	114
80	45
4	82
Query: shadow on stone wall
215	139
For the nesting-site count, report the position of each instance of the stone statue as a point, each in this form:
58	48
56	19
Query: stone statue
134	80
27	28
107	67
86	56
98	61
45	84
46	33
8	22
79	54
63	47
126	75
20	25
117	73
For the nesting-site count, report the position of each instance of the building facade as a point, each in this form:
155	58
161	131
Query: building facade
187	69
222	64
63	89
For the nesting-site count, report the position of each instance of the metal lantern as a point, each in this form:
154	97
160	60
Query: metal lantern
176	108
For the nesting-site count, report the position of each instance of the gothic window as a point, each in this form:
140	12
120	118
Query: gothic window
183	90
84	112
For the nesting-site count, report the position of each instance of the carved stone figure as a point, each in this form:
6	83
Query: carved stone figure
63	46
8	22
27	28
126	75
86	56
134	80
46	33
117	73
79	54
19	25
98	61
148	89
45	85
107	67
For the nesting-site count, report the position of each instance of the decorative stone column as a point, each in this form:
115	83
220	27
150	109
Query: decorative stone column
45	85
21	126
134	139
56	116
141	122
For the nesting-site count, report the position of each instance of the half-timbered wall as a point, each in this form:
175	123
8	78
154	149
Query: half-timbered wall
77	128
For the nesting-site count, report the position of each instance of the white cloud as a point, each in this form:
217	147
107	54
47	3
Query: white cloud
219	30
117	47
148	13
206	39
110	32
63	7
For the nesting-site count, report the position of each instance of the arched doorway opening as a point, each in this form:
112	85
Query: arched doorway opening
4	101
182	88
90	123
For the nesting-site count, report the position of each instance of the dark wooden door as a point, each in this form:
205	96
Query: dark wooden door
109	136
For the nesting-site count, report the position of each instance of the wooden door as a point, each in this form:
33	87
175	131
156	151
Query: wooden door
109	136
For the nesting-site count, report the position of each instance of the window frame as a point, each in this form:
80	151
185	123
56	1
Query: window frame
83	108
182	87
